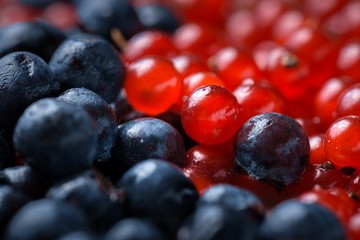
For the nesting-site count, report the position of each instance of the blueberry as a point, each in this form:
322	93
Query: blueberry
56	138
11	201
102	113
94	194
79	235
134	229
88	61
216	222
102	17
45	219
272	147
292	219
158	191
156	16
25	180
145	138
37	37
234	198
24	78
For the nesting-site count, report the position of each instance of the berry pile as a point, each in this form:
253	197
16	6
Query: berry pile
170	119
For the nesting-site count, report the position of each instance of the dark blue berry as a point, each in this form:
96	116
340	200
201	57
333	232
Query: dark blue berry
103	17
94	194
216	222
79	235
145	138
158	17
45	219
102	113
292	219
24	78
158	191
24	179
56	138
272	147
88	61
134	229
11	201
234	198
37	37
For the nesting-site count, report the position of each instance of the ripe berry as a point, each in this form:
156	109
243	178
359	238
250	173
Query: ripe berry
272	147
24	79
292	219
158	191
211	115
29	224
152	85
91	62
101	112
56	138
341	142
37	37
134	228
144	138
94	195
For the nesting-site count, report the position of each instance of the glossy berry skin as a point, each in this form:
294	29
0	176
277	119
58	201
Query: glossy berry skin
326	99
234	66
151	42
11	201
152	85
24	179
136	229
145	138
188	63
56	138
221	223
211	115
272	147
235	198
101	17
25	78
37	37
200	39
94	195
258	97
78	235
341	142
91	62
348	102
158	191
157	16
103	115
29	224
209	162
292	219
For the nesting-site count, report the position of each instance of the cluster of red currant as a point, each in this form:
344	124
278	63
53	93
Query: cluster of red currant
232	60
299	58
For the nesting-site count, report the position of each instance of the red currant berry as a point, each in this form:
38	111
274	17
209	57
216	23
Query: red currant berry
234	66
152	85
149	43
341	142
211	115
